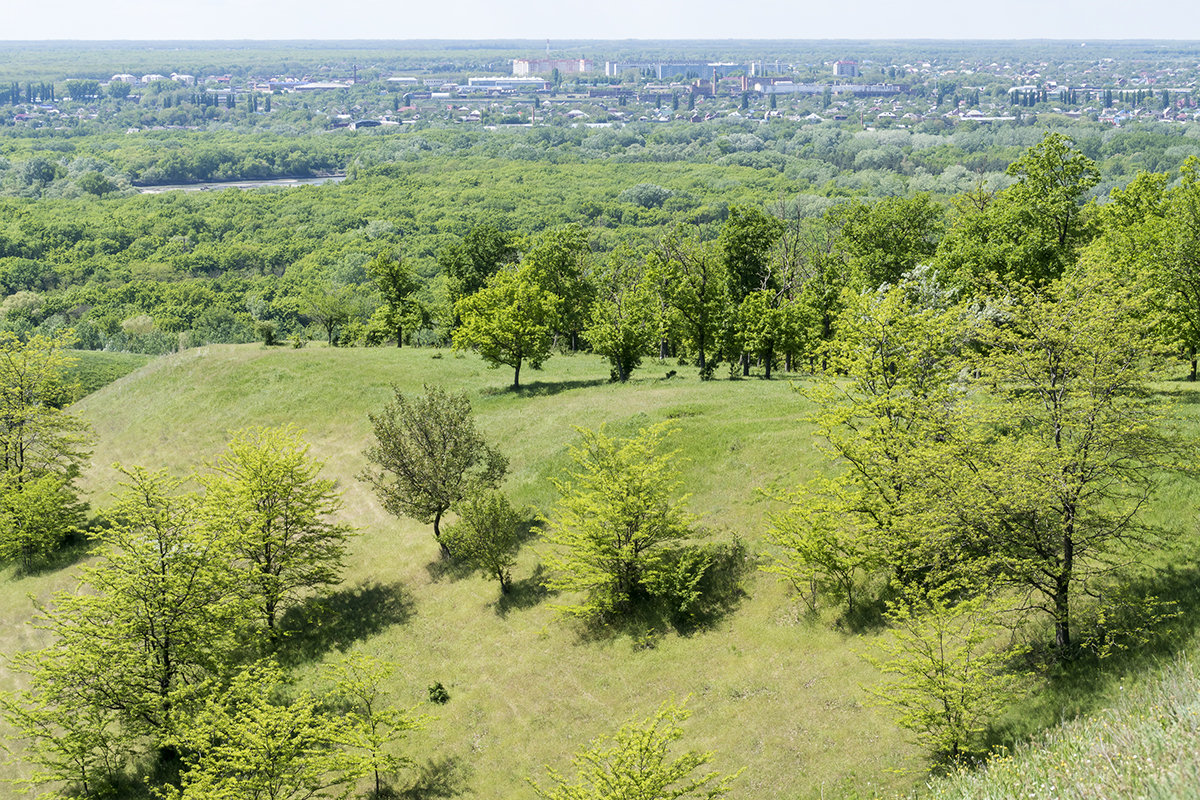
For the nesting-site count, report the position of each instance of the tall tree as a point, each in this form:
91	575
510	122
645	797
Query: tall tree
266	495
1150	235
247	744
468	263
1079	446
510	320
616	518
695	282
331	307
1030	463
155	616
428	456
903	349
560	260
745	241
883	240
42	447
396	283
36	435
622	324
1030	232
809	269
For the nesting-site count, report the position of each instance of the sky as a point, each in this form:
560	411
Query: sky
602	19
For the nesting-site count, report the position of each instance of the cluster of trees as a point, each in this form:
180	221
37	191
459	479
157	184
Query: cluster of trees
156	273
1000	448
764	291
161	663
768	289
620	534
43	447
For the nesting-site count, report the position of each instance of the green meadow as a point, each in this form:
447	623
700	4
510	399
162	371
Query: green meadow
772	689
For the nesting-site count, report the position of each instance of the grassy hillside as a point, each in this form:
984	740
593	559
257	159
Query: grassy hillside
770	690
1146	745
94	369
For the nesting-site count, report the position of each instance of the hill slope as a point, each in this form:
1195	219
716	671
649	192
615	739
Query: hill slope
1146	745
770	690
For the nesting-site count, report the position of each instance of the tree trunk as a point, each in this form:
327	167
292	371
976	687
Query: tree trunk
745	365
768	357
517	376
1062	595
437	533
1062	617
399	337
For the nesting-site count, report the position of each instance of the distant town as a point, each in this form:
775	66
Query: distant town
857	88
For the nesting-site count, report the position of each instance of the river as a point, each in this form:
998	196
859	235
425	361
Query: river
284	183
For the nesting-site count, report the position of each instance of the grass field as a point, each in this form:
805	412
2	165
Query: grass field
771	689
95	369
1147	744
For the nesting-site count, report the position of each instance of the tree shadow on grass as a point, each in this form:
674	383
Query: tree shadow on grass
546	388
76	547
868	616
1084	683
524	593
70	553
442	777
717	593
449	569
1178	385
338	620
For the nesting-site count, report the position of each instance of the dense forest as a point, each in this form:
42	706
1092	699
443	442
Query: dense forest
208	267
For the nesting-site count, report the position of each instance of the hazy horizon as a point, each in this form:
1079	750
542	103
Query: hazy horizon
475	20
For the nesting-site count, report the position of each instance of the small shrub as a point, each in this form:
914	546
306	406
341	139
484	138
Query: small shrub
265	329
487	535
438	694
